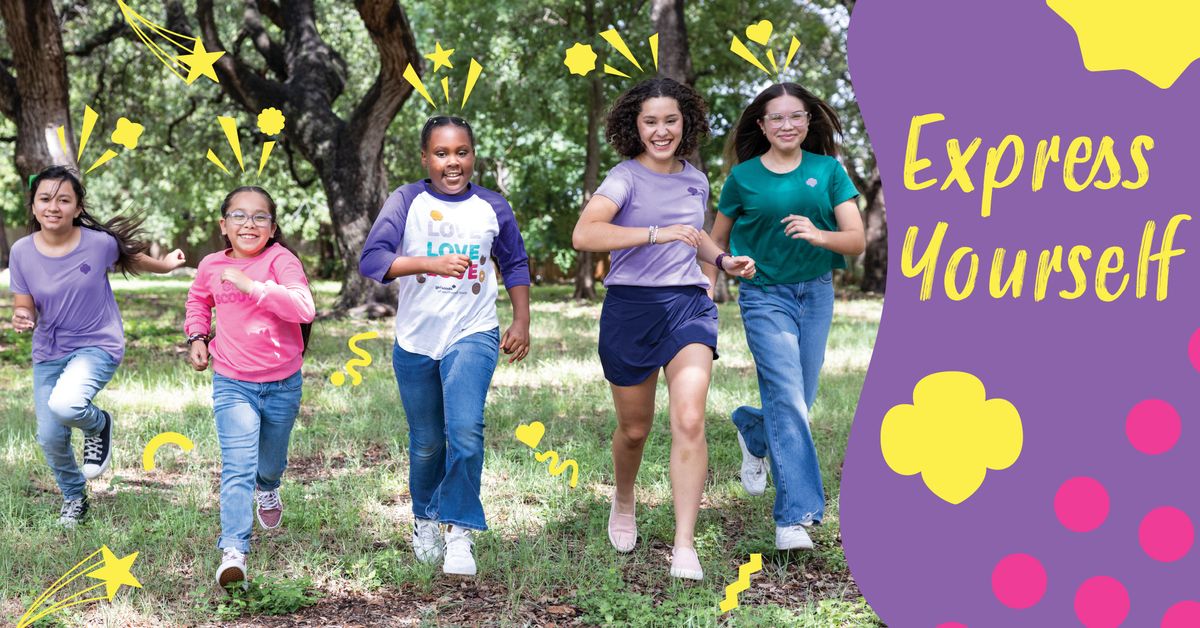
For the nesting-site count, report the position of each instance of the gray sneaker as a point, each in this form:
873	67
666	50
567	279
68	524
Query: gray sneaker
73	511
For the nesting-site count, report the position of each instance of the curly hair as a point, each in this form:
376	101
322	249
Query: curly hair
621	129
747	140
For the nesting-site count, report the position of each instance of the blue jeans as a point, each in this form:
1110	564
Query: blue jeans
62	399
787	326
443	401
254	424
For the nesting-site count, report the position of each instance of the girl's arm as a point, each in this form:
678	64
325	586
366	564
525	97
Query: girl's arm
198	319
516	338
595	231
722	225
849	239
289	299
508	252
144	263
25	312
736	265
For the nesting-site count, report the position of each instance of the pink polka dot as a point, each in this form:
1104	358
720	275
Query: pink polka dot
1182	615
1153	426
951	624
1194	350
1019	581
1081	504
1166	534
1101	602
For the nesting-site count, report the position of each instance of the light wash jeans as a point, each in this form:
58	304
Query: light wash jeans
443	401
787	326
254	425
63	390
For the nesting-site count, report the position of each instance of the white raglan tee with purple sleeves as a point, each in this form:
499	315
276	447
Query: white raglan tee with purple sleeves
434	311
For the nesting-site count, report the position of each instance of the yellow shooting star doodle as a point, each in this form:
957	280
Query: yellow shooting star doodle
113	573
198	61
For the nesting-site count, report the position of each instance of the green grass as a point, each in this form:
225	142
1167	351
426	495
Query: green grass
345	538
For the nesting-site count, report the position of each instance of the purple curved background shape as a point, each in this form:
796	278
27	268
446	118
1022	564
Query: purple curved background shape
1073	369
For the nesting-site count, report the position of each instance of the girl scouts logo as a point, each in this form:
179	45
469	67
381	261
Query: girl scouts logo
812	183
695	191
84	268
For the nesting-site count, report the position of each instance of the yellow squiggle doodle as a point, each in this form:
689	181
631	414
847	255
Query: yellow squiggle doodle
337	379
742	583
557	468
174	438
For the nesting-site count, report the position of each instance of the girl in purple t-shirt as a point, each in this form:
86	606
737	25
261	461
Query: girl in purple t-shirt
59	280
649	212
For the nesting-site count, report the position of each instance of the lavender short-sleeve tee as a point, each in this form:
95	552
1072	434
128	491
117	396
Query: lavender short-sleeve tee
75	304
646	198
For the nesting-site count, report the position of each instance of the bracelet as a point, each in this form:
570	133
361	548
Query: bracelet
718	260
194	337
653	234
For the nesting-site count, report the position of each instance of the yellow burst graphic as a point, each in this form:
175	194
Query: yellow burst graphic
760	33
126	134
270	122
441	58
581	58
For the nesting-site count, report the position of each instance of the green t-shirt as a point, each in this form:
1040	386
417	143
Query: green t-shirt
758	199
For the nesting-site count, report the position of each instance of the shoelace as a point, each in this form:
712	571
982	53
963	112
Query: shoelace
72	509
426	533
269	500
92	447
459	543
230	553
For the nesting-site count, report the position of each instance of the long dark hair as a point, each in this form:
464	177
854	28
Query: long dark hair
126	229
277	237
747	140
621	129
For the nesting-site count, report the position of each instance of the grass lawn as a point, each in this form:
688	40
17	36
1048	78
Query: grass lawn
343	554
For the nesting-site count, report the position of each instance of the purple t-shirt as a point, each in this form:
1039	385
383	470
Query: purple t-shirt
75	304
645	198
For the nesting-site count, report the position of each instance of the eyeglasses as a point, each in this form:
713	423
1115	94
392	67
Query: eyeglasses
799	119
239	218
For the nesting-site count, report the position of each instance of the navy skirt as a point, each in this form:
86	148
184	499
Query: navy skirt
642	328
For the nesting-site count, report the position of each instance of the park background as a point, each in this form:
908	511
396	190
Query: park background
333	69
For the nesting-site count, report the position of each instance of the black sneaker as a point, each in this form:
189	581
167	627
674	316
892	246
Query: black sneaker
97	450
73	512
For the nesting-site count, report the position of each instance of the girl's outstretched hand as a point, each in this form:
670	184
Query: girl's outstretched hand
23	319
174	259
739	266
238	279
516	341
198	355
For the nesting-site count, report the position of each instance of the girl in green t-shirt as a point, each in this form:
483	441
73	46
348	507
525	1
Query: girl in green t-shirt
788	204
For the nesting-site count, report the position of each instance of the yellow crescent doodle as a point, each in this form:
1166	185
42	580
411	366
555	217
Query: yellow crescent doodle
174	438
337	379
557	468
742	583
113	573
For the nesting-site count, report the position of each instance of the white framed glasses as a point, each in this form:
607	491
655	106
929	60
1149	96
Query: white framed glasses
239	218
798	119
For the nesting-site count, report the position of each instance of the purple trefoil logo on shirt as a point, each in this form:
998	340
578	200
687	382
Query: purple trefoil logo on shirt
695	191
84	268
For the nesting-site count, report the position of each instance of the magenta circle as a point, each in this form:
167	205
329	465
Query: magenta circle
1081	504
1166	534
1101	602
1184	614
1019	581
1153	426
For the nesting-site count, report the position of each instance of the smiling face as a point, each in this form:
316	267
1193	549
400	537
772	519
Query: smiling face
788	131
250	237
449	158
660	127
55	205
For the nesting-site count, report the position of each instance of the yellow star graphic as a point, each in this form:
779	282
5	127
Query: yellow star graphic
440	57
200	62
115	572
1156	40
580	59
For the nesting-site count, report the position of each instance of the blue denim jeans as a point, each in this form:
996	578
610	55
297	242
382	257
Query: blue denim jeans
787	327
63	390
254	425
443	401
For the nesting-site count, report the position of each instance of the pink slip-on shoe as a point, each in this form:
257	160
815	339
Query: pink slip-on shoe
622	530
686	564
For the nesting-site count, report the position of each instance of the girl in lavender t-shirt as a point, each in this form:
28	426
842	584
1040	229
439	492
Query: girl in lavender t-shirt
59	280
649	212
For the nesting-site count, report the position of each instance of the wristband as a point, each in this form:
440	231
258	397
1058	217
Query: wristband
720	258
653	234
194	337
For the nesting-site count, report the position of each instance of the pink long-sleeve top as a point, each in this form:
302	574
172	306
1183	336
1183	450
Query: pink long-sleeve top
258	338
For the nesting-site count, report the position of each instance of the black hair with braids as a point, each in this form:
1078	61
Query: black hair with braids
277	237
437	121
126	229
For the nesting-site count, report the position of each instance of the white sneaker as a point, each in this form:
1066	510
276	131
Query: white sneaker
754	470
792	537
233	567
427	541
459	560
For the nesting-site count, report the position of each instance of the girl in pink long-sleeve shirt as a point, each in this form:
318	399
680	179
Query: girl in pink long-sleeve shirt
259	290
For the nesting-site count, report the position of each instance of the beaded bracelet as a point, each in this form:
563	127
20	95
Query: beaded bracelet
194	337
653	234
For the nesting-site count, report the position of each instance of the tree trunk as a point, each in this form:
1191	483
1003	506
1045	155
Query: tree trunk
875	258
585	273
308	76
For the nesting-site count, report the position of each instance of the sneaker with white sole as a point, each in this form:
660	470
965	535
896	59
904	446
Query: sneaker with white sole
97	450
270	508
459	559
427	541
73	511
792	537
754	470
233	567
